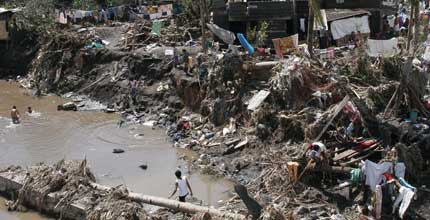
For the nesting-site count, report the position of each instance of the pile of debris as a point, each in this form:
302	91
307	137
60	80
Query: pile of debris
164	32
69	183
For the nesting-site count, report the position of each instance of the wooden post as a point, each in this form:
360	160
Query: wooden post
310	29
203	24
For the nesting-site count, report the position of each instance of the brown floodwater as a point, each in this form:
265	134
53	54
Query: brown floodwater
48	135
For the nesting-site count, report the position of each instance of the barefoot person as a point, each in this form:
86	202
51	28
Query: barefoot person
183	185
14	114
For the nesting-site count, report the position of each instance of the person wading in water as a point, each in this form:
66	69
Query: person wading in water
14	114
183	185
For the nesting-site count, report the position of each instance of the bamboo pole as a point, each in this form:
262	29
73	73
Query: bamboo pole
173	204
310	30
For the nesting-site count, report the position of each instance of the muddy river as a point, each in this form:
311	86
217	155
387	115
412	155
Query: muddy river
48	135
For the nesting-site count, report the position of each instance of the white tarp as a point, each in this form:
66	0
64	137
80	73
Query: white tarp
383	48
344	27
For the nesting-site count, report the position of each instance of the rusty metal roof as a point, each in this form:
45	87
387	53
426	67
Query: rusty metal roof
338	14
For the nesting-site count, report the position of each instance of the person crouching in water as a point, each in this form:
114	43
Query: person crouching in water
14	114
183	185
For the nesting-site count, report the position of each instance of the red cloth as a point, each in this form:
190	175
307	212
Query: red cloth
387	176
427	104
364	144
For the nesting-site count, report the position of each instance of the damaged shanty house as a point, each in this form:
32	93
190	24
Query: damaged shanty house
9	37
285	18
5	22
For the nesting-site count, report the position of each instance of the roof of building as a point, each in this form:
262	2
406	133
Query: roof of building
338	14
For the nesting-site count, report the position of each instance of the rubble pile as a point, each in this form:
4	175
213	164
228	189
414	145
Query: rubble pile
70	182
165	32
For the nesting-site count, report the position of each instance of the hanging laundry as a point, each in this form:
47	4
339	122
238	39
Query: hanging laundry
344	27
406	184
112	13
400	170
63	18
374	172
78	14
384	48
405	196
286	44
302	25
356	176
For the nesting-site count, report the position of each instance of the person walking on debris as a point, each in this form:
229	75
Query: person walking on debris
203	69
317	156
14	114
29	110
184	60
316	151
133	90
183	185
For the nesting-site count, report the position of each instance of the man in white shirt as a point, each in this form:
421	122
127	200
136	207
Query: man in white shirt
183	185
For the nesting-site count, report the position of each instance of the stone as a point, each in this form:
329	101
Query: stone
118	151
70	106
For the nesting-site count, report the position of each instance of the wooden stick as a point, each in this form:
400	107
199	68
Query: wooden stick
173	204
336	112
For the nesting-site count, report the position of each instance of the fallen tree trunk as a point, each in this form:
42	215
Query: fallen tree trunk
173	204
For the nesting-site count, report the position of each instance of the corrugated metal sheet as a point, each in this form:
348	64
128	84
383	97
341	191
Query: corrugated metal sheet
337	14
350	4
260	10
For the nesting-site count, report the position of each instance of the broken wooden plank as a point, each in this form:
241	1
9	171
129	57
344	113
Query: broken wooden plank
375	145
232	141
237	147
348	154
358	159
343	155
336	112
257	99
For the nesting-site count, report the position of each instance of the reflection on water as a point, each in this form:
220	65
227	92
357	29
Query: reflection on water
48	136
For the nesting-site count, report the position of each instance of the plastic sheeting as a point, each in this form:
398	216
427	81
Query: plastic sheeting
225	35
344	27
383	48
